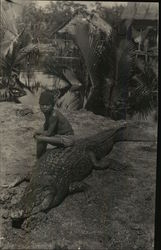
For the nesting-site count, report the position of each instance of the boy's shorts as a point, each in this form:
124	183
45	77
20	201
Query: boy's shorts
66	140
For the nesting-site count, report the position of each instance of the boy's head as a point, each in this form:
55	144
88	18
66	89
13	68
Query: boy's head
46	101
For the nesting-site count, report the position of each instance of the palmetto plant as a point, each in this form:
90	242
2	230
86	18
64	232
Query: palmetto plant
117	79
144	88
17	51
133	83
12	60
52	67
118	67
88	39
109	64
66	96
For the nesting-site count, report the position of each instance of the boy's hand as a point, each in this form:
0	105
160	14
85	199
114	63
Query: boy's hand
38	137
35	135
38	132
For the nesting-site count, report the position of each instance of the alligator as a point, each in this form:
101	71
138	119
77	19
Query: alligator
59	173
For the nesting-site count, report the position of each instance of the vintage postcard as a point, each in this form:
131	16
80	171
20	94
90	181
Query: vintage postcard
78	124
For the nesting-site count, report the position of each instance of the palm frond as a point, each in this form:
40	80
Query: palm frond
88	40
54	68
117	64
11	62
143	98
15	55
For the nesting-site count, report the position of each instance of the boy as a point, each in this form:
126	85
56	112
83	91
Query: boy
57	130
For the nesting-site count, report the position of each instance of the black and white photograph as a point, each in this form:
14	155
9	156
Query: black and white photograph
78	125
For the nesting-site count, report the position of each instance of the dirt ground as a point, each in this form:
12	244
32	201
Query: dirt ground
117	212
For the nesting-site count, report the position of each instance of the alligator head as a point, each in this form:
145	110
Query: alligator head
36	199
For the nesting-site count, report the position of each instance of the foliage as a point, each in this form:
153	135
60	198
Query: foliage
109	61
143	89
88	38
11	64
11	61
52	67
66	96
111	15
115	84
118	69
132	84
16	53
42	24
129	87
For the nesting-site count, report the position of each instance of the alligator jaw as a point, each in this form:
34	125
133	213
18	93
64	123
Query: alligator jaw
17	218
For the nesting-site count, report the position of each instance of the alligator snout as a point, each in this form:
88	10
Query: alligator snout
17	218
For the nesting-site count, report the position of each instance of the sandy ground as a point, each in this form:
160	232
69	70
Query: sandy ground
117	212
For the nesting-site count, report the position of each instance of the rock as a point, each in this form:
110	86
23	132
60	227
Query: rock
23	112
5	214
4	197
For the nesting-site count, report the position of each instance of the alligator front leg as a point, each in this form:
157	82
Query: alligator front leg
77	187
107	162
81	187
104	163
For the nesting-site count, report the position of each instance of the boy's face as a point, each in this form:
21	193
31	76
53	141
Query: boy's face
46	109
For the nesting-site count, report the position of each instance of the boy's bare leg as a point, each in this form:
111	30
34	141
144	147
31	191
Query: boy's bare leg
77	187
40	148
